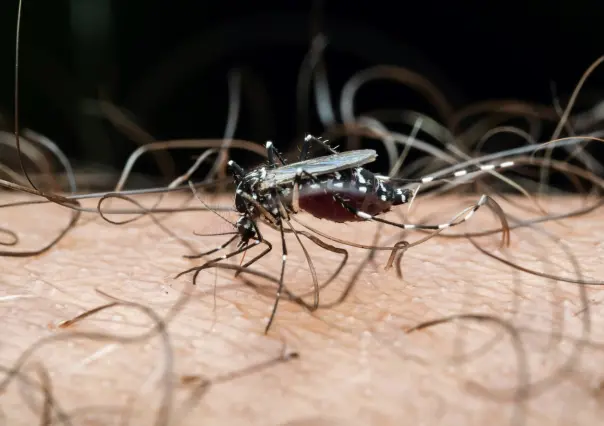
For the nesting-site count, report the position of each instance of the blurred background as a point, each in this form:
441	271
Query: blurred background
166	64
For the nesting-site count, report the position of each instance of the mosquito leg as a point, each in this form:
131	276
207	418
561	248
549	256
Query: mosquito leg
466	213
262	254
214	250
272	154
218	259
365	216
281	278
258	257
265	213
296	192
460	218
332	249
308	140
236	170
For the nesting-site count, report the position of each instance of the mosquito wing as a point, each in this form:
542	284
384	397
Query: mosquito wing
317	166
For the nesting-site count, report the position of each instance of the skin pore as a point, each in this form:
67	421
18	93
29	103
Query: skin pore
530	355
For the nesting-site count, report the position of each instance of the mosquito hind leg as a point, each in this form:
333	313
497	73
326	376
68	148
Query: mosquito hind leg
460	218
308	140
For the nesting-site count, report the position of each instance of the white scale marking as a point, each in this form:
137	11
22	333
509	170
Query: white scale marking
359	174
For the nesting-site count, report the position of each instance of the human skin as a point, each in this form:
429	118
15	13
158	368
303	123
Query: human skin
533	359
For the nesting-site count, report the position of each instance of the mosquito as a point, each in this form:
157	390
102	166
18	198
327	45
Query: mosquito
335	187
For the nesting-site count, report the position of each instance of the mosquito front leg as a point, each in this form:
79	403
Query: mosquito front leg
262	254
236	170
214	250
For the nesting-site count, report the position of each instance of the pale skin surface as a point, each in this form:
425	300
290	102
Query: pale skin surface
356	364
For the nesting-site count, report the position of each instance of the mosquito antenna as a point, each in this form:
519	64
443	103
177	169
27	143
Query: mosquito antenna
207	206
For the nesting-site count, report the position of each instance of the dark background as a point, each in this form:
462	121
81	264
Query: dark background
167	62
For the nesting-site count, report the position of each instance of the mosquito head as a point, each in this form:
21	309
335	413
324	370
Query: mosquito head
401	196
246	229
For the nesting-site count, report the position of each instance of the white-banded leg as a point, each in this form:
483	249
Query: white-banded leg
242	247
281	278
259	256
308	140
272	153
236	170
214	250
296	189
365	216
474	168
209	263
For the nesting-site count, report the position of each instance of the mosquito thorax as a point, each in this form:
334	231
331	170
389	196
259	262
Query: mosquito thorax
240	204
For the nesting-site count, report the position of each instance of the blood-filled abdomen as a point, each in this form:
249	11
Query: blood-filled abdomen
321	203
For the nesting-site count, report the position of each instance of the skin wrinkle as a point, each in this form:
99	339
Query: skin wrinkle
357	365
